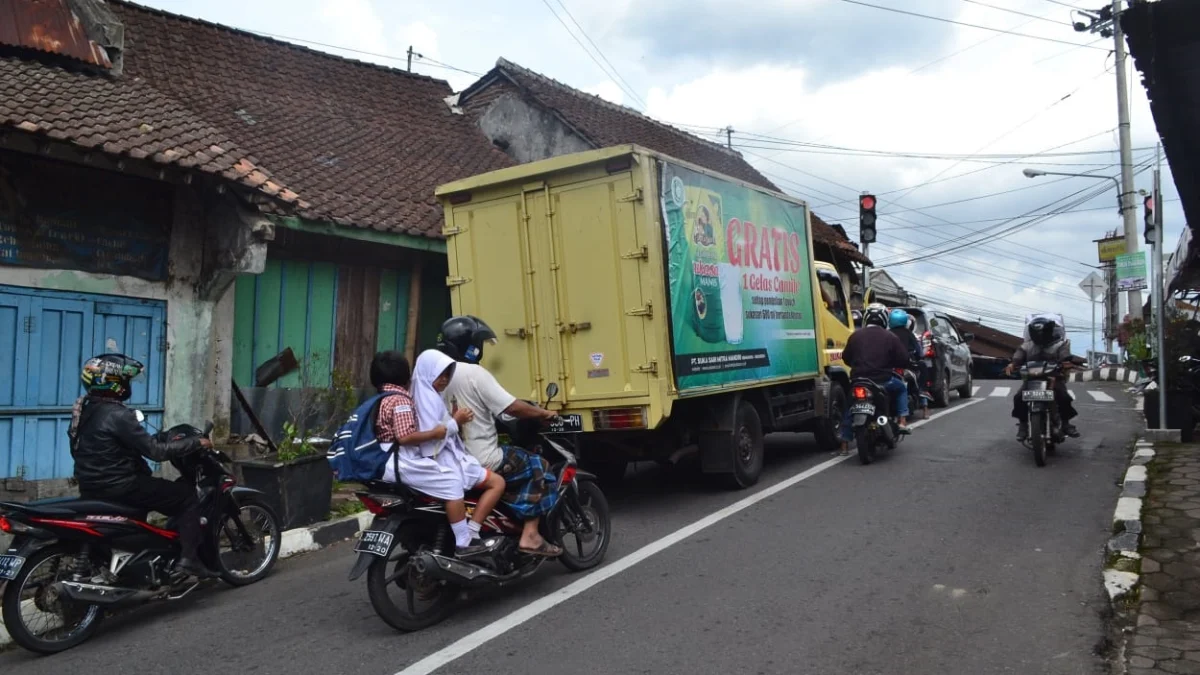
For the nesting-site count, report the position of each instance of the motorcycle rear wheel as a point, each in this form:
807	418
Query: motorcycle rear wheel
19	609
437	600
1037	437
866	445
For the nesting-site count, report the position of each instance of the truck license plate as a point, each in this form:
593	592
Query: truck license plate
862	409
10	565
374	542
1037	395
567	424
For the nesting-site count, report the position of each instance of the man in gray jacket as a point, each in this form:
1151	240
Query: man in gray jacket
1047	342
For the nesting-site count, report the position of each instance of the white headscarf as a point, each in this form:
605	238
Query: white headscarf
431	408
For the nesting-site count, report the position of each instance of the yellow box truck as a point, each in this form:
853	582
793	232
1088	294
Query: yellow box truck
676	309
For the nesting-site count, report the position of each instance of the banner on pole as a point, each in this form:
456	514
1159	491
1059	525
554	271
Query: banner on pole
1131	271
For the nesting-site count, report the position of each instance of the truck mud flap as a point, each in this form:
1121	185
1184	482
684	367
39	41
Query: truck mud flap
715	454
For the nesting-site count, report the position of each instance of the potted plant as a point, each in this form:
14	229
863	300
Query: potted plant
296	479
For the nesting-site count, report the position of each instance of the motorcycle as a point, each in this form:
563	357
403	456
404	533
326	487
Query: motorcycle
872	419
409	547
1043	416
71	560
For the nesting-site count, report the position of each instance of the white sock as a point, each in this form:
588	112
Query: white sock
475	528
462	533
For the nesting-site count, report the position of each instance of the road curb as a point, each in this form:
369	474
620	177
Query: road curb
1105	375
317	537
1123	563
292	542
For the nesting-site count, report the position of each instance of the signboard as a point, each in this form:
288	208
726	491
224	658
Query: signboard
1131	271
1179	257
56	215
1109	249
1093	286
740	282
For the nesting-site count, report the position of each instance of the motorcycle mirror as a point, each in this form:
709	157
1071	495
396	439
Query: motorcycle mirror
1185	359
551	391
141	416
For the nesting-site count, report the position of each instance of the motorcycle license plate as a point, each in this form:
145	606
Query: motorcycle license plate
567	424
1037	395
10	565
862	409
374	542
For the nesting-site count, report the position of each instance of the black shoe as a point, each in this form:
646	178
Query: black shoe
195	568
1070	430
476	547
1022	431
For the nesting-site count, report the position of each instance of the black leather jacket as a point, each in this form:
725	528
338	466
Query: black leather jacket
110	445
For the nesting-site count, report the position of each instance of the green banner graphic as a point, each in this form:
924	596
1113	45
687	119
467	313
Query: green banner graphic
1131	271
740	282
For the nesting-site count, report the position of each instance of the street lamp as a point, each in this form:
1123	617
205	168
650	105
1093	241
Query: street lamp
1034	173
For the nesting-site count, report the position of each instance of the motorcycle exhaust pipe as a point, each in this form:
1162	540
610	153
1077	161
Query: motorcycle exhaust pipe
96	594
882	421
452	570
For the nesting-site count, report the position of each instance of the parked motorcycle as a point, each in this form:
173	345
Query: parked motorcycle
1043	416
872	419
409	548
71	560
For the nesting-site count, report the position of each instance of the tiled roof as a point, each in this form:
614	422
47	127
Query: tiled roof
605	124
988	341
352	143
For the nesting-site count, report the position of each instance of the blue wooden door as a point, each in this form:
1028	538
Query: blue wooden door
54	334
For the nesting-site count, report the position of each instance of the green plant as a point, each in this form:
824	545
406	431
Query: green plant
347	508
295	444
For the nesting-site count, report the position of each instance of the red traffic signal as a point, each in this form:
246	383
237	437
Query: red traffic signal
866	202
866	219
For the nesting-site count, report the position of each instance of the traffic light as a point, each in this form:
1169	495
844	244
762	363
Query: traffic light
866	219
1149	231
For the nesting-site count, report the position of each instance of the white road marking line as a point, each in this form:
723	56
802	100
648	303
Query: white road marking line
1000	392
974	391
1072	395
473	641
1101	396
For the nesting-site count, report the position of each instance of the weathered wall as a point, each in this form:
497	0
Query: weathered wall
526	132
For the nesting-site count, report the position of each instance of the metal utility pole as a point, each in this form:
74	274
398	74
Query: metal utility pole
1107	22
410	55
1159	289
728	137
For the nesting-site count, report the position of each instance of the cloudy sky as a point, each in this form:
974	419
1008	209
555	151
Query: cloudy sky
945	112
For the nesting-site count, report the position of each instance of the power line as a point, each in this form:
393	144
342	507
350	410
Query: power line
591	56
963	23
1018	12
628	87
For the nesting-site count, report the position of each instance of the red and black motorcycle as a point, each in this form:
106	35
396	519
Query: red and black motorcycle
409	549
73	559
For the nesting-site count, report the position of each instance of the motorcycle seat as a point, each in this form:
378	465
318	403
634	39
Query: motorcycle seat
73	507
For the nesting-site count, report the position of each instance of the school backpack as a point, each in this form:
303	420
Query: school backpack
355	454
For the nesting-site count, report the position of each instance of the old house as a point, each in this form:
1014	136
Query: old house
201	197
532	117
991	349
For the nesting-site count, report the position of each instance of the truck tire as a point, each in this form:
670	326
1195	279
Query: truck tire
828	429
747	447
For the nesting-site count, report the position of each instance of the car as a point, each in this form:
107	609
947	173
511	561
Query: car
947	354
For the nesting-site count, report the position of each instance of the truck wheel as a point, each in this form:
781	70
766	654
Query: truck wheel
747	447
828	431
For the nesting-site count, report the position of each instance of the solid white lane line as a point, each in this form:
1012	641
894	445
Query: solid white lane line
1001	392
473	641
1072	395
974	391
1101	396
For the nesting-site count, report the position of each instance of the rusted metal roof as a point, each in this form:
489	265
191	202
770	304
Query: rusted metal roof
49	26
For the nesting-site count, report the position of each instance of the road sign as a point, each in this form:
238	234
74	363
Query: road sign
1109	249
1093	286
1131	271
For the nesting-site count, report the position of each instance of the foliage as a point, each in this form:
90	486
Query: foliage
294	444
316	410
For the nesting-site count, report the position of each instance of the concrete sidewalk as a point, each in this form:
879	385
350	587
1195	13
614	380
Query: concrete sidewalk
1166	636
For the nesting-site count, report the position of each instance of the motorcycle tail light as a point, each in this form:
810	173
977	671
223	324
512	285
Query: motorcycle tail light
861	393
5	526
568	475
13	527
371	505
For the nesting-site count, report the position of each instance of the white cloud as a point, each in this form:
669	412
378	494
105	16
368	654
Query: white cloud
607	90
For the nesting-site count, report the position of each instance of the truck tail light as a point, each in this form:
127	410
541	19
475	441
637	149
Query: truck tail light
619	418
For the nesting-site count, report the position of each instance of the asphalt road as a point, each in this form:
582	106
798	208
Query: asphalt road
955	554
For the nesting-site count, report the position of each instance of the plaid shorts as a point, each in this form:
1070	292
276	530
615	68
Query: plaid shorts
529	488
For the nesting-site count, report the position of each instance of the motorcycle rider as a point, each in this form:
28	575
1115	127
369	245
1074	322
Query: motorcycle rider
530	490
109	444
873	352
900	323
1045	343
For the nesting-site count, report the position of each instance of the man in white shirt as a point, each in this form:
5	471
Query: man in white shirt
530	489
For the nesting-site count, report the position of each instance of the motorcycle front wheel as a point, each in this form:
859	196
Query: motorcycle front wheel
247	553
584	535
37	614
404	599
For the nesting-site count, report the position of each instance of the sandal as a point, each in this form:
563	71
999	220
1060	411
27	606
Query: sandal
547	550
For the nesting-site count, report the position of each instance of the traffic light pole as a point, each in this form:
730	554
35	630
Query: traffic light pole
1159	290
866	273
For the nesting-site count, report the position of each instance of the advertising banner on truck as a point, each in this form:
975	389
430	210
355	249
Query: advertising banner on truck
739	279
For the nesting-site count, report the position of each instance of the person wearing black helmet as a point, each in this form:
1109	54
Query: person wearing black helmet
529	489
1047	342
874	353
110	449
